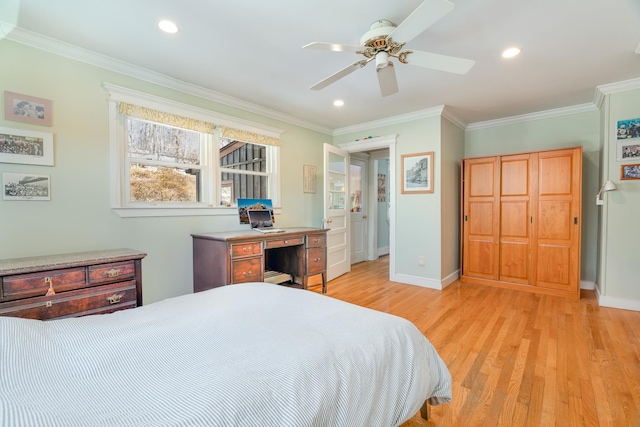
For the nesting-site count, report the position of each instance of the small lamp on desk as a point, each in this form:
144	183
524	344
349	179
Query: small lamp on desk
608	186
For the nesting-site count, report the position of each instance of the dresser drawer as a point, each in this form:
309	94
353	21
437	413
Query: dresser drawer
35	284
246	249
316	260
113	272
280	243
316	241
99	299
246	270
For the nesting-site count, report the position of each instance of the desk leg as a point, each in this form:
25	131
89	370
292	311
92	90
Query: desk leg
324	283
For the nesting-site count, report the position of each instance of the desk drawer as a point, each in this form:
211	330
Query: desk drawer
316	260
100	299
246	270
112	272
34	284
316	241
279	243
246	249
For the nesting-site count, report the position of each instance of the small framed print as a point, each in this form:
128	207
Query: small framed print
417	173
627	150
28	109
309	178
26	147
630	171
26	186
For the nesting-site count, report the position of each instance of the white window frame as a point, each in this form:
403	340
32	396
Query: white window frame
119	166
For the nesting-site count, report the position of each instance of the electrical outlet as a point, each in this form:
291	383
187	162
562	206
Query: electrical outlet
421	261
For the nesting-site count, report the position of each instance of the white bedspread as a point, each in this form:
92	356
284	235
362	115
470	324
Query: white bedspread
244	355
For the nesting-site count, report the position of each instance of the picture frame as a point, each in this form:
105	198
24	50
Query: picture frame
630	171
309	179
26	147
28	109
417	173
627	149
25	186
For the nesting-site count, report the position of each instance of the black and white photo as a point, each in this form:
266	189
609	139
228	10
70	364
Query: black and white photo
28	109
417	173
23	186
26	147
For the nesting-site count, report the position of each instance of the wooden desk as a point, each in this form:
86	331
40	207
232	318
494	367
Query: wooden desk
243	256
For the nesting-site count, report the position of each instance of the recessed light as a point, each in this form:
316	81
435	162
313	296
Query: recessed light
511	52
168	26
338	102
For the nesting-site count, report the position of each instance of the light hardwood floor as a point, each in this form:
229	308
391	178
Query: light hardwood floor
517	359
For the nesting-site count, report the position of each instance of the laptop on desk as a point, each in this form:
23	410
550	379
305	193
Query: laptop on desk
260	220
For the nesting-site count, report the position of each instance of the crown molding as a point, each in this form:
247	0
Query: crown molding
402	118
71	51
556	112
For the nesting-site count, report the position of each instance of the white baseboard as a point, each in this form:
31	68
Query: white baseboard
383	251
427	283
590	286
613	302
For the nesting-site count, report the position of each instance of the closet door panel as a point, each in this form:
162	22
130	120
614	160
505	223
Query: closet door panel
480	218
515	235
558	220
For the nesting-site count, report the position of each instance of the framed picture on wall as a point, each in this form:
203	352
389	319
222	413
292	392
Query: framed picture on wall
630	171
417	173
26	186
26	147
628	149
28	109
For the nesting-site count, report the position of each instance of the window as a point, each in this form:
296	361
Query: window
171	159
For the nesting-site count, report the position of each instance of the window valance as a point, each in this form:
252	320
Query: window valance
246	136
152	115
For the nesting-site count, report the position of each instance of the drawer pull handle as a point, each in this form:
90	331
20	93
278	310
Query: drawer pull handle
316	259
112	273
245	249
286	241
115	298
48	304
247	273
50	291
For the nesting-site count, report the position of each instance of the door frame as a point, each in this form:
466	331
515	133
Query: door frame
377	143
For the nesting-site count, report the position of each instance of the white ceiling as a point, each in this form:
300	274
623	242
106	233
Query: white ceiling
250	50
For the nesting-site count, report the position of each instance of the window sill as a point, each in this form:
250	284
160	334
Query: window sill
178	211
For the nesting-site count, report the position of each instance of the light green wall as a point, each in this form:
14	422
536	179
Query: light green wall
383	224
79	217
621	233
452	151
417	215
581	129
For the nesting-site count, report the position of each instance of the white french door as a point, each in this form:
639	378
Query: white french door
336	210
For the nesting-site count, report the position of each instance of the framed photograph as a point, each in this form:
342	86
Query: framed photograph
26	186
28	109
417	173
630	171
628	150
309	178
26	147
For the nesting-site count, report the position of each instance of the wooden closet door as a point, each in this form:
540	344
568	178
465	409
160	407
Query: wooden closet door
516	198
558	215
481	217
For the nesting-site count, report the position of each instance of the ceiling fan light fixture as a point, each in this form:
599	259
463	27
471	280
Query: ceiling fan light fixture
382	60
511	52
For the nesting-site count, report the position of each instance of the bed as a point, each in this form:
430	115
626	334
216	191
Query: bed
255	354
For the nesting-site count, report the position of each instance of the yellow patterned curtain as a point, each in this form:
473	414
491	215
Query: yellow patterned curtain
165	118
242	135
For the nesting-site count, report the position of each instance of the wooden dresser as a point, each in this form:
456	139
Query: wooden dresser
244	256
71	285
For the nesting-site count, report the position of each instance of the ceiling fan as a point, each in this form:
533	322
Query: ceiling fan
385	40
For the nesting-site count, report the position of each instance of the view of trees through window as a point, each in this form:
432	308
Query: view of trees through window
164	163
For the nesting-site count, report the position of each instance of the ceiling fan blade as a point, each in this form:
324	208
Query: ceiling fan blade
420	19
335	47
387	80
340	74
436	61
